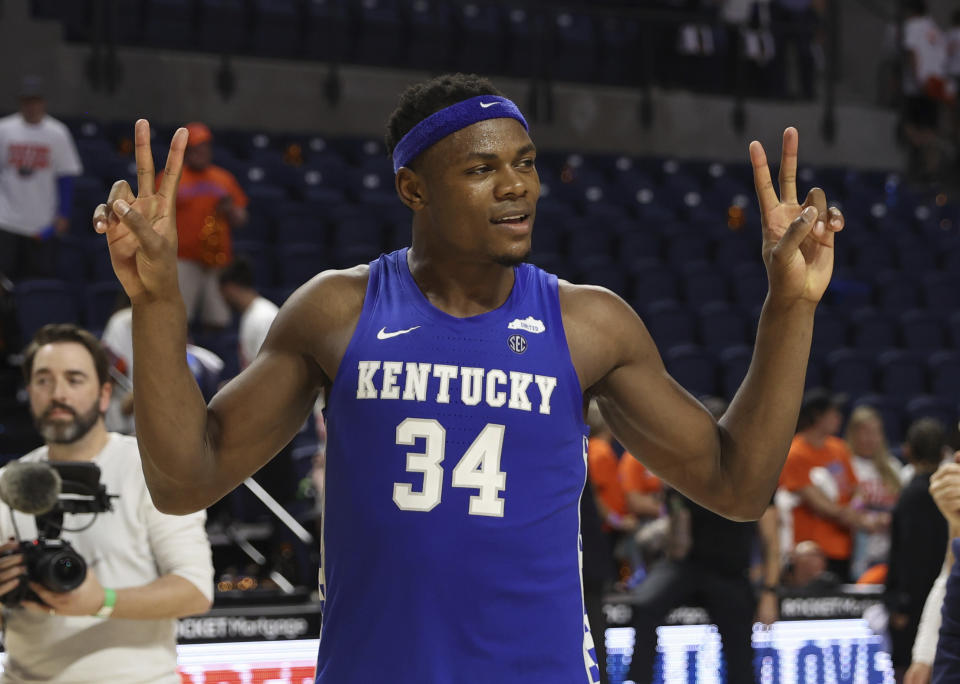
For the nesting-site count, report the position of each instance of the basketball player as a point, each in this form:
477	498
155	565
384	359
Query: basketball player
456	377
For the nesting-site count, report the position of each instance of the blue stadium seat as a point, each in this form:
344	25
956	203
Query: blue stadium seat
748	285
929	406
914	256
829	332
873	330
734	362
703	283
669	324
944	374
895	292
619	43
653	282
604	273
222	26
921	330
169	23
693	367
576	54
261	257
953	328
941	291
850	371
380	36
479	46
585	241
719	325
276	28
430	33
298	263
637	243
73	257
99	302
44	301
327	30
902	373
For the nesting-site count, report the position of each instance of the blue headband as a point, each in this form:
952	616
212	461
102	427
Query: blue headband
450	120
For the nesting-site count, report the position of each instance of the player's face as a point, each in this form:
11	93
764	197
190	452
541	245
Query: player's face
66	398
482	188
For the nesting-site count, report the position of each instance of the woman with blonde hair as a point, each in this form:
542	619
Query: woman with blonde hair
878	473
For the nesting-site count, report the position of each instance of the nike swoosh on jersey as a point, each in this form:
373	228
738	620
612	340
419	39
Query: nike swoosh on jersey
488	104
384	335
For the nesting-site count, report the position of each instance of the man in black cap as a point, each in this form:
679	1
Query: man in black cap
38	161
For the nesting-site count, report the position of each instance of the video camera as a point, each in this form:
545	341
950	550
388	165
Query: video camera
47	490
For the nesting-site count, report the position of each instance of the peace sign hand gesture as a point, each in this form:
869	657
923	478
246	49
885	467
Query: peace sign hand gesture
141	229
797	239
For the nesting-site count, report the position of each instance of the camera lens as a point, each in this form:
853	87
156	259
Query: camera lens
60	569
66	571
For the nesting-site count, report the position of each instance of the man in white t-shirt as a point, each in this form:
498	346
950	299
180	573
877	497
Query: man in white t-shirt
145	568
38	161
256	312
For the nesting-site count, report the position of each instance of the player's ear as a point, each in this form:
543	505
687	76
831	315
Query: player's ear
410	188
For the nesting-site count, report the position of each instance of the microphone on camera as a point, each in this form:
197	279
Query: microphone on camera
30	487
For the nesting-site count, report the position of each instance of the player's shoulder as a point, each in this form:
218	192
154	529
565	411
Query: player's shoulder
328	301
578	299
596	311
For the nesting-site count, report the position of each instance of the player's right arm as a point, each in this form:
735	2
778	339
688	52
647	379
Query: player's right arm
194	454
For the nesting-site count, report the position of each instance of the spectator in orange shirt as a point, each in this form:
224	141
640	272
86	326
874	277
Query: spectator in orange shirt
210	203
819	471
603	469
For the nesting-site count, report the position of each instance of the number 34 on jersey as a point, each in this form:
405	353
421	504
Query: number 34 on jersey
478	468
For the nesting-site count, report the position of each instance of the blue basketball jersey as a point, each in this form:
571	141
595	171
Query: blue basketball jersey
455	464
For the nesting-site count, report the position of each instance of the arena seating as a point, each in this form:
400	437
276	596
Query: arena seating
678	239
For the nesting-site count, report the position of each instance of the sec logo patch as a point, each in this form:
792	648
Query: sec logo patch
517	344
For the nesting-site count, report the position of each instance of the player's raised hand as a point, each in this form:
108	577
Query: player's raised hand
797	239
141	229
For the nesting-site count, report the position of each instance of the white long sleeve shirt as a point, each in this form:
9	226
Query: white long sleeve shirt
132	545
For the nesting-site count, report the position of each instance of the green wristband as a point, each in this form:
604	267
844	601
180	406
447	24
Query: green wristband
109	601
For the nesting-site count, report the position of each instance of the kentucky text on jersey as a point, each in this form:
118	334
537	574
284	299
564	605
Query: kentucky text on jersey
413	381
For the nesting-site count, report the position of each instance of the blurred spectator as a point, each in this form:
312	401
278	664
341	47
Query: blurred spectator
918	537
924	87
878	475
945	490
819	471
953	74
210	203
256	312
603	467
797	22
117	339
708	564
38	162
806	571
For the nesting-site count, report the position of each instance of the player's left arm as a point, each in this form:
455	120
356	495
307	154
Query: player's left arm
730	466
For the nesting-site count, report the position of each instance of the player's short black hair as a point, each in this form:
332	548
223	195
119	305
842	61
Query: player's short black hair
66	332
421	100
927	439
239	272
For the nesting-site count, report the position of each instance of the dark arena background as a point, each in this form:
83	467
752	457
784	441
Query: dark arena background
642	113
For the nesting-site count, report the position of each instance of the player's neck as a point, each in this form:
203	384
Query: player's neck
84	449
460	287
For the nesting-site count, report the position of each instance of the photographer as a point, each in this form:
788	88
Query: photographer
145	568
